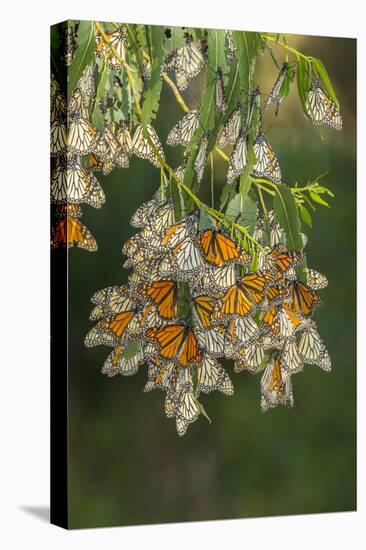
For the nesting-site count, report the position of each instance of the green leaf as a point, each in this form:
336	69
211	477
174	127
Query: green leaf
57	55
249	213
285	86
97	117
131	349
205	221
248	43
84	53
303	82
232	90
151	96
287	215
203	410
209	118
246	211
305	214
321	71
177	38
316	198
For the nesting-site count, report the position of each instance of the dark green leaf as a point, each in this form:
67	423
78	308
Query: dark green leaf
131	349
316	198
58	67
151	95
84	53
323	75
303	82
103	74
305	214
287	215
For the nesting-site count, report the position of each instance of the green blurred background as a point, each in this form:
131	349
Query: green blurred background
126	463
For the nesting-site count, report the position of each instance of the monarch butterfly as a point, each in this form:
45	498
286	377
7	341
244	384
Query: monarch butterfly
63	210
281	321
267	165
187	411
187	62
303	299
312	348
243	297
275	389
180	170
321	109
117	364
111	301
291	360
182	132
187	259
231	50
275	294
250	358
218	278
58	137
212	376
212	340
315	280
279	260
177	342
123	137
219	249
164	294
277	85
69	231
86	82
141	217
117	324
81	137
79	104
241	332
176	233
70	182
201	159
221	103
142	148
231	129
204	306
117	40
238	159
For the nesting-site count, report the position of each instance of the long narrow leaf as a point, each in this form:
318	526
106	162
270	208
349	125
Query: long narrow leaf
84	53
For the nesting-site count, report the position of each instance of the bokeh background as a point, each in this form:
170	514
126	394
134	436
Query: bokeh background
126	463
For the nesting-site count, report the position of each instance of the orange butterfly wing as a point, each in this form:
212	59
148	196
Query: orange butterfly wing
304	299
204	306
256	283
118	323
69	231
164	295
190	350
218	248
236	302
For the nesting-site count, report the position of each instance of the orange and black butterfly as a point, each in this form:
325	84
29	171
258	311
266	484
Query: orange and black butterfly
117	324
279	260
281	321
177	343
204	306
243	297
219	249
275	294
303	299
164	295
69	231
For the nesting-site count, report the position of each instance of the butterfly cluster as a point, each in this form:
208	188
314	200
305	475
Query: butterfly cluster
194	296
78	150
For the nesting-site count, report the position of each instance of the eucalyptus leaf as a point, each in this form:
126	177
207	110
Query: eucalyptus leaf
84	53
131	349
323	74
287	215
305	214
151	96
